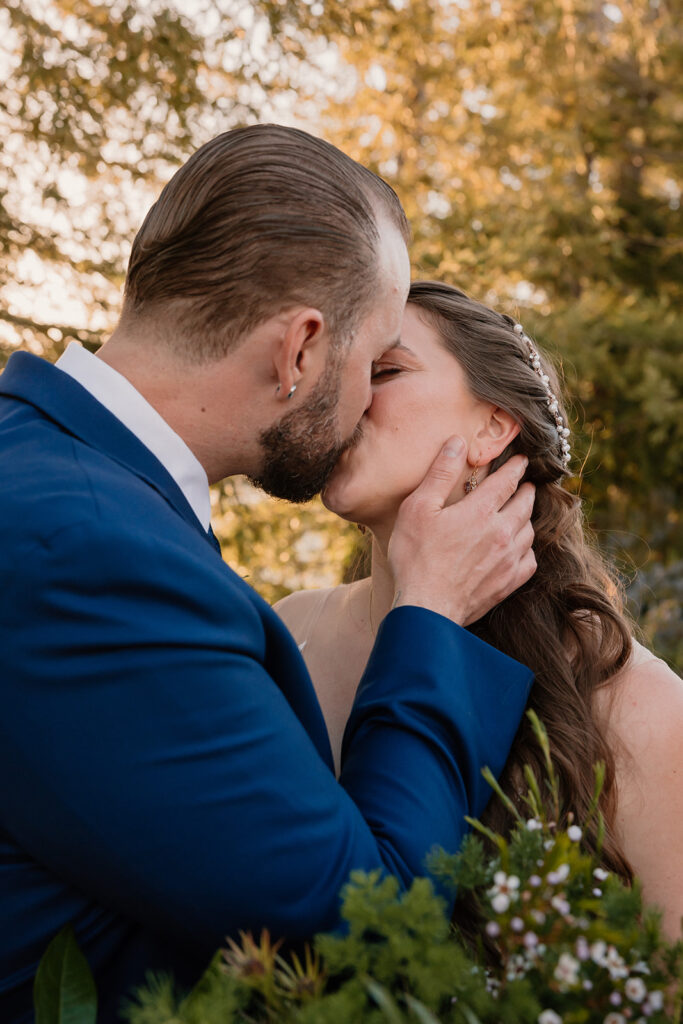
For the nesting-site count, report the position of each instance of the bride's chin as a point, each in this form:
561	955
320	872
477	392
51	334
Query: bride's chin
333	503
335	494
337	497
354	496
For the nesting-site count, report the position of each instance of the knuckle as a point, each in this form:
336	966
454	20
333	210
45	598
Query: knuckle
441	473
504	535
413	509
529	568
491	504
409	506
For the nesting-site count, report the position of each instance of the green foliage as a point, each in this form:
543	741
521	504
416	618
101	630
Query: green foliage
98	105
656	600
624	371
467	869
570	943
567	942
64	991
559	947
100	102
276	546
217	999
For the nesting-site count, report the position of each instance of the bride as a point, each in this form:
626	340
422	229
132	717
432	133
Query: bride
461	368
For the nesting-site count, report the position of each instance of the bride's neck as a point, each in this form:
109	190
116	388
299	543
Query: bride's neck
382	582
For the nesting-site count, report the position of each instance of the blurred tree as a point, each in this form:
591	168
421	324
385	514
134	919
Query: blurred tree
279	547
97	100
99	104
536	145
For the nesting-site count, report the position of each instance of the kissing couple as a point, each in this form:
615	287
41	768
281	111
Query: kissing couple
174	772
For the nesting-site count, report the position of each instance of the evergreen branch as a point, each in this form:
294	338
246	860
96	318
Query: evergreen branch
533	797
498	840
599	771
383	999
422	1012
495	786
542	737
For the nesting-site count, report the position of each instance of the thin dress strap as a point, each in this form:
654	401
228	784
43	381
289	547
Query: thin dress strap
314	615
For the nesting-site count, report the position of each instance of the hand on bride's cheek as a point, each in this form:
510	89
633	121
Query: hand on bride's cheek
420	398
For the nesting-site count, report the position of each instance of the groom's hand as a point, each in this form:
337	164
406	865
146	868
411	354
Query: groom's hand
463	559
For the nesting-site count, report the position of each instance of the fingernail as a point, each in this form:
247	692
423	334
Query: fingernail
453	448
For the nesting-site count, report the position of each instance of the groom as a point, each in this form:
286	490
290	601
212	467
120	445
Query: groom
167	777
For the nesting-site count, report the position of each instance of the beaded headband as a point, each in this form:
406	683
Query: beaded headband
553	404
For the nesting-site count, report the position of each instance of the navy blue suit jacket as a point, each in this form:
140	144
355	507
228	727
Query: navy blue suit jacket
166	773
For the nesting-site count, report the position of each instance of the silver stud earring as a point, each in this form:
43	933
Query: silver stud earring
291	390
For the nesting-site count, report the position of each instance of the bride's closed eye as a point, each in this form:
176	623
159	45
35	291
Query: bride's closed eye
380	373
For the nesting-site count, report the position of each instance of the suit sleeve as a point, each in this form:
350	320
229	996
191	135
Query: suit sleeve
162	772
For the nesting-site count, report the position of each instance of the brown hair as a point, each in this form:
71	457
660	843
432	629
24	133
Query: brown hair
259	219
567	623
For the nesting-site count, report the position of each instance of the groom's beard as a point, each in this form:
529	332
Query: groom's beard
302	449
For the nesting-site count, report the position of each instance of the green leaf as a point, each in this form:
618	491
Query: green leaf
541	735
469	1016
499	841
64	990
500	793
533	798
384	1000
599	772
422	1012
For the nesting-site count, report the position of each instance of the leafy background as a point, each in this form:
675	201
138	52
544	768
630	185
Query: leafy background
537	148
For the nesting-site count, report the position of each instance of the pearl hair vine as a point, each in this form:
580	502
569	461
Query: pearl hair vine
552	402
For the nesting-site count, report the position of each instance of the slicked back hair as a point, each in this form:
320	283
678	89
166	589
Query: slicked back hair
260	219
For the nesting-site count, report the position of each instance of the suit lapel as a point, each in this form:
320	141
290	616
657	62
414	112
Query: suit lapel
66	402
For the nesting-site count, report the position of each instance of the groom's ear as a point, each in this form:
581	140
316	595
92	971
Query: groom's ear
300	349
495	433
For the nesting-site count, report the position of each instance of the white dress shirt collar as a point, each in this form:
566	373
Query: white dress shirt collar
118	395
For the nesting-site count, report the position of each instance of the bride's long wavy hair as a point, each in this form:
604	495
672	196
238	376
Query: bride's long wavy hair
567	623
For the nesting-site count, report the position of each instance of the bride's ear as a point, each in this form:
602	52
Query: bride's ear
496	432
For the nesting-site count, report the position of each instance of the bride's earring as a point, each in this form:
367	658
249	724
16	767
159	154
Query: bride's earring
471	484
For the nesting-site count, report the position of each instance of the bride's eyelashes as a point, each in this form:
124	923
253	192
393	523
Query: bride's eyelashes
384	373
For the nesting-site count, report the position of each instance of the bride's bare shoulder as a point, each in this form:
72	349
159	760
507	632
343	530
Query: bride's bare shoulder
643	718
299	608
643	703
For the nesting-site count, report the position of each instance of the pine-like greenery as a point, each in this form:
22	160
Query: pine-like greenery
564	942
561	941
